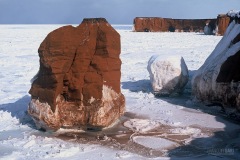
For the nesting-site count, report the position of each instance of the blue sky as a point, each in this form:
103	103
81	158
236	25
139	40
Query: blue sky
115	11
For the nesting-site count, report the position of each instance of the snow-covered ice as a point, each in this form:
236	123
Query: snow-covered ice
154	142
178	123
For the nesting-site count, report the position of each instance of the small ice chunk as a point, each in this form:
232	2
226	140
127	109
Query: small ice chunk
168	75
141	125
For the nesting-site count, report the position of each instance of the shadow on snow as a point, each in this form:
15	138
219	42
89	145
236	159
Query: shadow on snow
220	145
18	109
138	86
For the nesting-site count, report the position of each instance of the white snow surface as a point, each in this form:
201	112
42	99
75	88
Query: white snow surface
20	140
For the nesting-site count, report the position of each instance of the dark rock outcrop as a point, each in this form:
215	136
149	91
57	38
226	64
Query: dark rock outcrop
218	79
78	84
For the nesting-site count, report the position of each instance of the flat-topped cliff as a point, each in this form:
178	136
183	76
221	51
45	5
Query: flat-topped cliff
158	24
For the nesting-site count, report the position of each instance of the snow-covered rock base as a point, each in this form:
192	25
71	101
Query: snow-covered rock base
168	75
218	79
47	119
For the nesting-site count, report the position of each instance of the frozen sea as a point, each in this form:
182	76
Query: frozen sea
152	127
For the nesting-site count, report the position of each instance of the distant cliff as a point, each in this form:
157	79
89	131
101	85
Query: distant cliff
158	24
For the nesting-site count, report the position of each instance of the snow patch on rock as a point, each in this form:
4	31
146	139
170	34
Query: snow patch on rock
109	97
108	94
43	115
234	13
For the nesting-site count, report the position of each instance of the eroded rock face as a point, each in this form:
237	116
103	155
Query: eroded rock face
158	24
218	79
222	23
78	84
154	24
168	75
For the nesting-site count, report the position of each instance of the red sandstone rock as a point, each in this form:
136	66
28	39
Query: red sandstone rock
222	23
78	84
157	24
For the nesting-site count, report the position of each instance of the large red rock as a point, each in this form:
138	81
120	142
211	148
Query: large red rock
78	84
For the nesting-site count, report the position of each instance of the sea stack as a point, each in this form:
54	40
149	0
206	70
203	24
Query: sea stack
218	79
78	83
